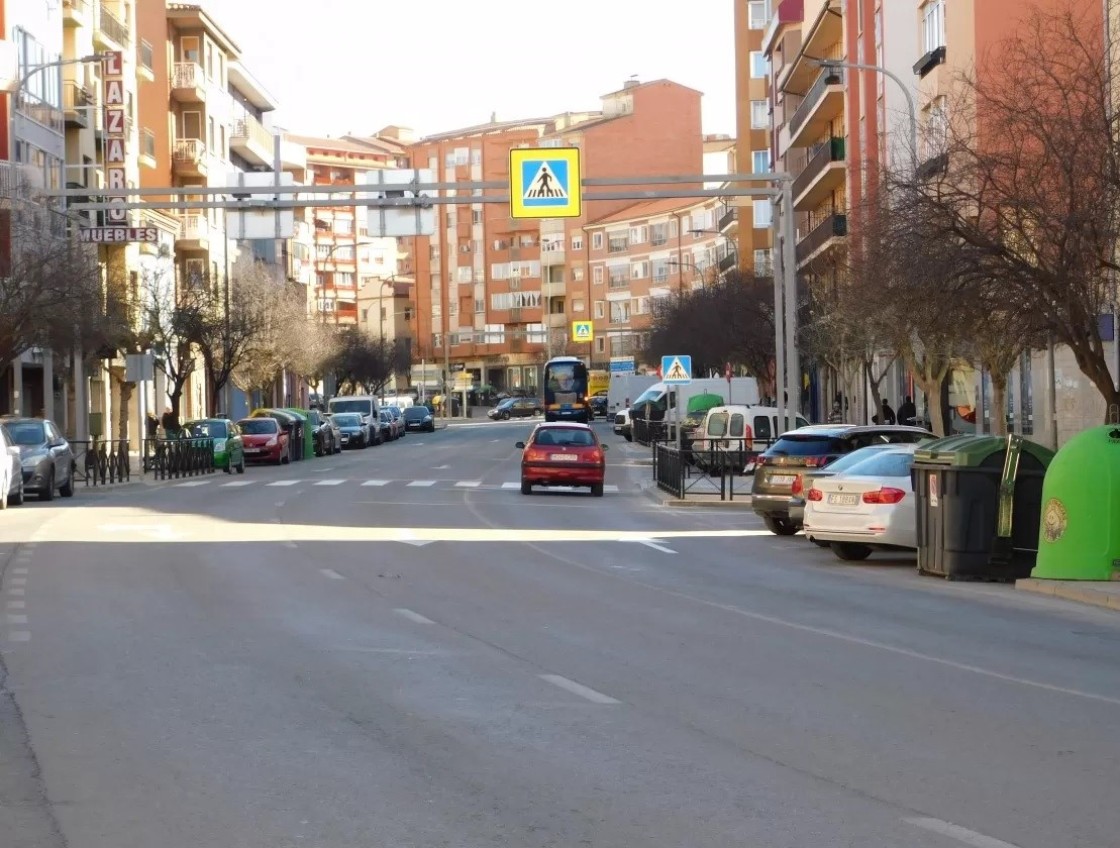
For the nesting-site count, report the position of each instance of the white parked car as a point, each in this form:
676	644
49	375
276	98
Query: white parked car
11	471
622	423
870	506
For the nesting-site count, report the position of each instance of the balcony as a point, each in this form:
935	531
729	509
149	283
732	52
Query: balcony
788	12
728	219
75	13
188	83
190	158
77	102
554	289
552	255
929	61
823	103
728	262
111	32
558	320
821	238
194	234
824	174
935	166
252	141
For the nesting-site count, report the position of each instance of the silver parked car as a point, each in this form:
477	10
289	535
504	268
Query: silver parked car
46	459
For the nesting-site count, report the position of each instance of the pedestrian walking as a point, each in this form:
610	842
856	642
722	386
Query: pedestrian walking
888	413
907	413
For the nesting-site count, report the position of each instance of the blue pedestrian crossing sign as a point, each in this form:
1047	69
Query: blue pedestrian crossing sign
676	369
545	182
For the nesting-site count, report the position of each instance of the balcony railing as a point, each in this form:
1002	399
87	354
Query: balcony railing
827	77
76	99
113	28
190	150
79	6
728	218
728	262
826	153
186	75
194	228
833	226
251	129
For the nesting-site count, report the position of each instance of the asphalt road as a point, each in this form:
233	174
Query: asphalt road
396	648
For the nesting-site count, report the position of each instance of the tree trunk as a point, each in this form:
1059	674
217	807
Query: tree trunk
122	420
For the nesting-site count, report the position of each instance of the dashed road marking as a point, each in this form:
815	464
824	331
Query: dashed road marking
413	616
17	591
17	605
579	689
468	484
280	483
18	581
960	834
19	636
238	484
371	483
192	484
422	484
511	485
330	482
17	618
331	573
18	571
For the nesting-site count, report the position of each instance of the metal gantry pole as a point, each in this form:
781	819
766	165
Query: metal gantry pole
793	361
779	313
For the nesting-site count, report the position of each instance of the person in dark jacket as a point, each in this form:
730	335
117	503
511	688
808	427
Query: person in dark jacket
888	413
907	413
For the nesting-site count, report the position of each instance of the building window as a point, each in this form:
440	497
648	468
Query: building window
763	263
600	344
760	115
597	275
577	273
577	242
760	161
763	215
758	13
578	305
596	241
618	243
933	25
599	309
760	65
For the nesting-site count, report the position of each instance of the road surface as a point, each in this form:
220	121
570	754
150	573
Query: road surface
396	648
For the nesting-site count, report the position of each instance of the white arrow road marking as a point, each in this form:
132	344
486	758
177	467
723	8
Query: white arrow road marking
960	834
578	689
414	617
649	543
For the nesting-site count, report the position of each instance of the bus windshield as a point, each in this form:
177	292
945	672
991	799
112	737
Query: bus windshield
565	388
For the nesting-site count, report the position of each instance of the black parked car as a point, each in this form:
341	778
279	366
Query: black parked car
599	405
419	418
521	407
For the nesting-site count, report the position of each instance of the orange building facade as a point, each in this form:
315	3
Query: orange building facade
500	293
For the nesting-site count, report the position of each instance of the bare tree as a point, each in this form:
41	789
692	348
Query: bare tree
171	320
1029	197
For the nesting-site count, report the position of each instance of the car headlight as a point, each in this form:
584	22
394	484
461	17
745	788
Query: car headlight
427	418
271	443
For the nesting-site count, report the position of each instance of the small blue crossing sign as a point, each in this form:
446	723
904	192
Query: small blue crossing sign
545	182
676	369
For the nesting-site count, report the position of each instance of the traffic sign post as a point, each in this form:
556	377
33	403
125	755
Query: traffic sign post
676	371
545	182
583	331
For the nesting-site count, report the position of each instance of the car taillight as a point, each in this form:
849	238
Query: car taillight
594	455
760	461
885	495
533	455
815	495
798	485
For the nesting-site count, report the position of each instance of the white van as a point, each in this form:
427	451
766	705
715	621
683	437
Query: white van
365	405
744	430
401	402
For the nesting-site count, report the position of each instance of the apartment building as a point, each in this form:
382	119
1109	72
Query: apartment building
497	289
33	141
751	224
643	252
346	259
387	312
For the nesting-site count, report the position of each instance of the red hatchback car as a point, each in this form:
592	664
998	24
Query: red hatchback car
563	454
263	440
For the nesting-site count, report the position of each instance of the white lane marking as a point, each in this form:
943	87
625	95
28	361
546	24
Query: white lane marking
17	591
578	689
960	834
611	490
511	485
440	467
238	483
290	544
422	484
494	441
14	618
279	483
192	484
649	543
413	616
330	482
19	636
468	484
18	571
18	581
331	573
17	605
371	483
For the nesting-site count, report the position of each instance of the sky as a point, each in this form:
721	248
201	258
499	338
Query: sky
355	66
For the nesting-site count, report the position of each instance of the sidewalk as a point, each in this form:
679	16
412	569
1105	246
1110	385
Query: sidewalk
1097	594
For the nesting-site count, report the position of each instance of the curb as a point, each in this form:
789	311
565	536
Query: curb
1084	592
743	503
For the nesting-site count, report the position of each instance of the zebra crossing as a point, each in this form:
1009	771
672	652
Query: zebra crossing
336	482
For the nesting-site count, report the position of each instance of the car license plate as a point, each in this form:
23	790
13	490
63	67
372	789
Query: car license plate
563	457
252	450
843	500
783	479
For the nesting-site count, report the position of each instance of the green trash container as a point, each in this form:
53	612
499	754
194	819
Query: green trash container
308	447
958	483
1079	535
